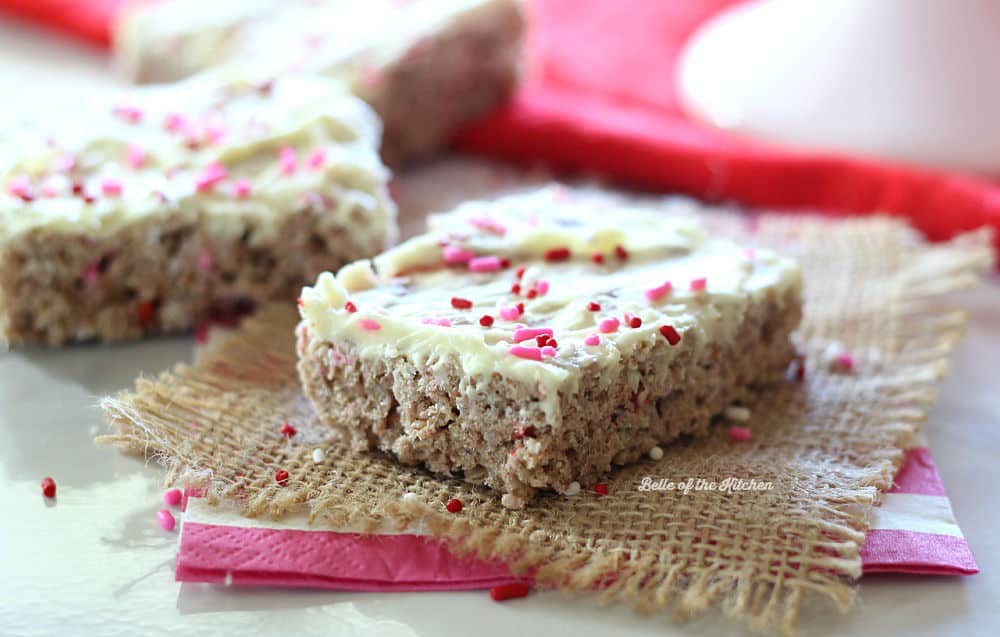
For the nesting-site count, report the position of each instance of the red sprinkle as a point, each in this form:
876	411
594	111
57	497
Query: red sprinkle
557	254
281	477
670	334
601	489
597	258
739	434
486	320
504	262
520	308
350	307
460	304
515	289
594	306
519	272
287	430
634	321
509	591
524	432
621	252
147	313
48	487
532	293
552	343
542	340
454	505
201	333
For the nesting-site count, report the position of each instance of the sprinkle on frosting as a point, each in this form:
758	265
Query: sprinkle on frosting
484	264
608	325
660	291
699	284
525	333
670	333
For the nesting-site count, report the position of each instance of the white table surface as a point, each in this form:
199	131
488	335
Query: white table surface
95	563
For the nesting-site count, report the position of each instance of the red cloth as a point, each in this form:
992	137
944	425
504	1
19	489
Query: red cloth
599	97
87	19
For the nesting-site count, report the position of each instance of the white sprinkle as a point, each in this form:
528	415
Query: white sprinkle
656	453
572	489
319	455
511	501
411	497
742	414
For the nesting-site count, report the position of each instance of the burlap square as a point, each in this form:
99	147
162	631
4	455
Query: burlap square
828	445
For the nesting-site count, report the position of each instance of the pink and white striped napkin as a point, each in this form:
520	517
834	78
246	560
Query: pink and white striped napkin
914	531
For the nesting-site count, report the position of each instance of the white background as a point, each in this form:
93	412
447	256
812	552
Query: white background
96	563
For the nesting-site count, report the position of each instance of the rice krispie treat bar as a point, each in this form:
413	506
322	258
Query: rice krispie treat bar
178	204
426	66
536	341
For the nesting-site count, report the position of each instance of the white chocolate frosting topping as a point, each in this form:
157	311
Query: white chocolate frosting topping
538	287
224	149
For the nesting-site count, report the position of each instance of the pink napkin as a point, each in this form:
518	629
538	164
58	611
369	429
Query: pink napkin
914	531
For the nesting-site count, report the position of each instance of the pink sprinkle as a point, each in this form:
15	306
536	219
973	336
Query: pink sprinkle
608	325
542	286
660	291
739	434
214	133
130	114
48	190
135	157
455	255
592	340
111	187
316	159
488	225
288	159
531	353
429	320
175	122
66	163
510	313
369	325
91	275
699	285
750	254
548	350
20	186
844	362
484	264
241	188
213	174
525	333
172	497
205	261
165	519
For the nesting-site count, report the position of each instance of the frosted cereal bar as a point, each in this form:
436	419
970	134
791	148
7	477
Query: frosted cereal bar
535	342
174	205
426	66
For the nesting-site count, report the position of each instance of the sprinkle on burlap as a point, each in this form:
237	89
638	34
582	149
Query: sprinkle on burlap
828	445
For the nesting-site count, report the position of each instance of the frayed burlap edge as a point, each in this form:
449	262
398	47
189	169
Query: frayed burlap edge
686	554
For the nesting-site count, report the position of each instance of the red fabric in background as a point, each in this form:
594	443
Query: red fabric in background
599	98
87	19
